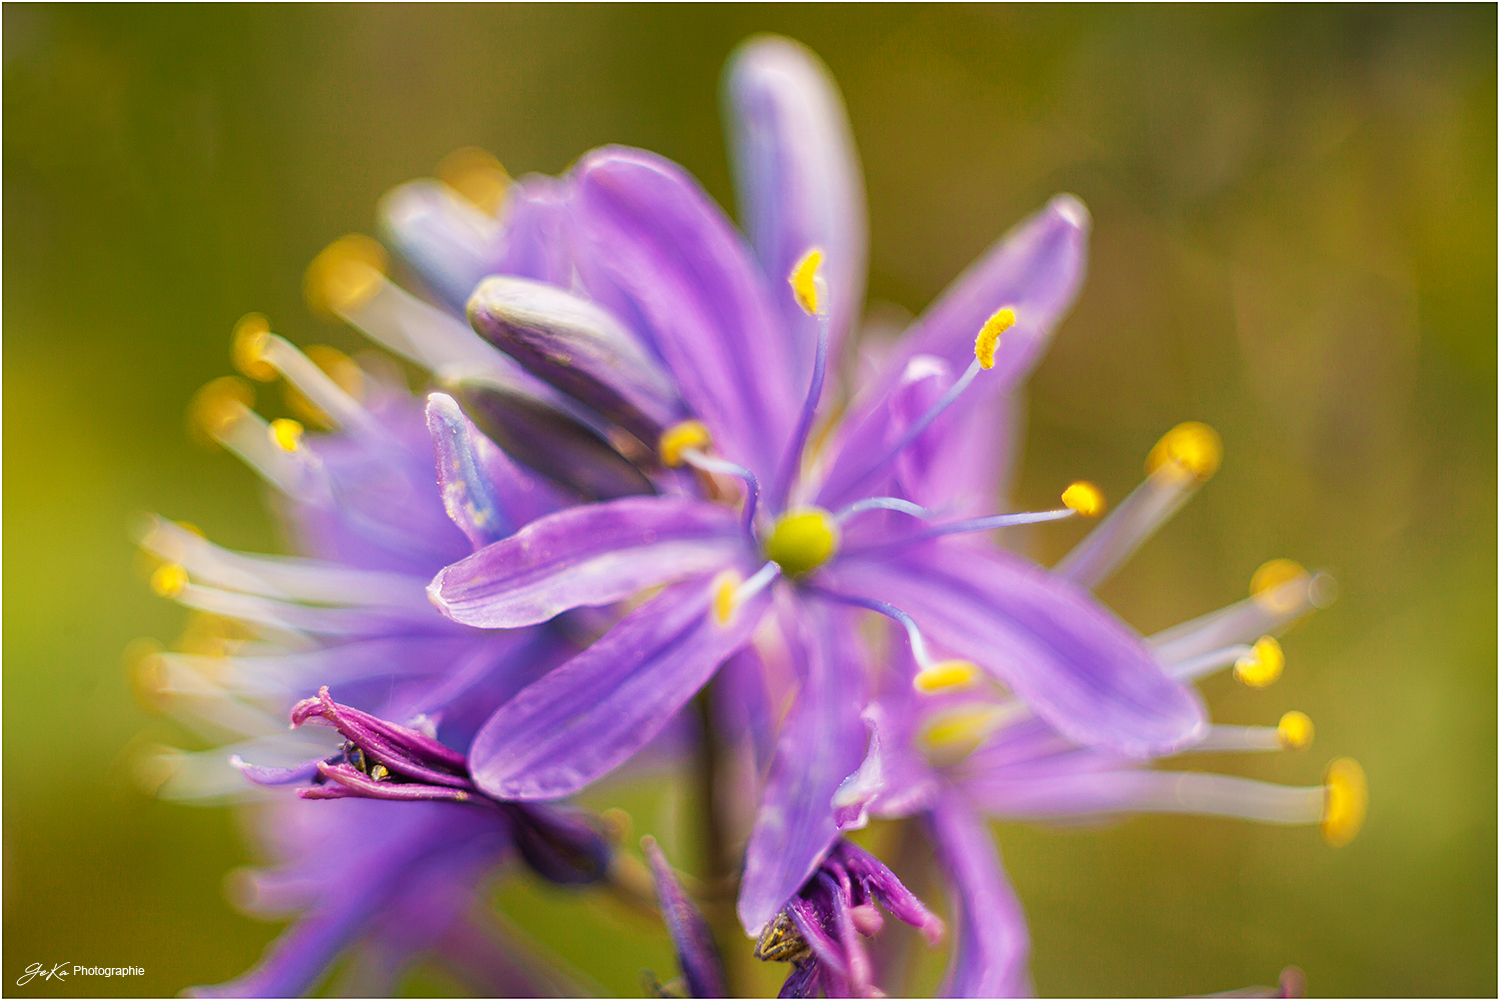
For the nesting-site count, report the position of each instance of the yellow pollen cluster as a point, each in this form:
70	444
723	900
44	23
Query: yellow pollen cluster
477	176
286	433
1084	498
1262	665
1345	799
1266	585
989	335
1295	731
802	541
678	438
169	579
248	347
945	676
1192	447
956	734
345	275
804	280
724	586
220	403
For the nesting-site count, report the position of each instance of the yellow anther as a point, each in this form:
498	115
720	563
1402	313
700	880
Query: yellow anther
1085	498
1191	447
680	437
461	797
248	347
286	433
1345	799
1295	731
989	335
379	773
724	586
169	579
959	730
1262	665
1268	585
218	405
802	541
345	275
477	176
804	280
945	676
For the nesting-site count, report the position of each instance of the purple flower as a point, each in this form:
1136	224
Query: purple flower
951	747
752	532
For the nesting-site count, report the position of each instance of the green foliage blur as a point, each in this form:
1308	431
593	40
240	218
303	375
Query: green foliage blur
1295	241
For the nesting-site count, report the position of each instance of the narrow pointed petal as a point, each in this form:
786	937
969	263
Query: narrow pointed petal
692	939
549	440
822	742
1069	659
591	714
991	946
799	180
468	494
580	348
586	556
663	256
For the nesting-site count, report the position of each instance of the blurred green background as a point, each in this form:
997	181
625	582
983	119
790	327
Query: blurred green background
1295	241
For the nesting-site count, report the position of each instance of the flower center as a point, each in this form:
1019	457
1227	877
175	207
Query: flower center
802	541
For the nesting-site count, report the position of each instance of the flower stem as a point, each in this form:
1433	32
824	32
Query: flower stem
720	872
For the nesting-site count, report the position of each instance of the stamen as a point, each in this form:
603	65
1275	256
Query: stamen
1181	462
984	350
169	579
953	736
1345	802
994	521
729	593
1262	665
989	336
805	280
217	406
1238	738
1245	620
286	433
319	394
1295	731
946	676
477	176
345	275
679	437
802	541
1085	498
698	460
1204	664
882	504
1272	585
219	411
247	347
806	283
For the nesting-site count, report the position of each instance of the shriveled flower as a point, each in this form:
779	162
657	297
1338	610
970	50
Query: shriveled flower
820	930
706	357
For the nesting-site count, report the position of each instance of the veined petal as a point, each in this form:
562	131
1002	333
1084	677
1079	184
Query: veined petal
662	254
578	347
991	943
1065	655
822	743
798	177
588	555
592	713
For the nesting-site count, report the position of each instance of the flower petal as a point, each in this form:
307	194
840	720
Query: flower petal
823	741
692	938
799	180
592	713
1065	655
587	555
991	945
662	255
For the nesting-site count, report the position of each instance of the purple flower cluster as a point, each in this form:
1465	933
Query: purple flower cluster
627	486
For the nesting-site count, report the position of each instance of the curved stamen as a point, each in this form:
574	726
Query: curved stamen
804	281
730	592
882	504
262	355
933	676
1080	498
698	460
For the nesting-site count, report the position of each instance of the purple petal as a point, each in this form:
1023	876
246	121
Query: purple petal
989	954
268	775
591	714
468	495
692	938
588	555
662	254
891	892
822	742
580	349
799	180
559	843
1065	655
